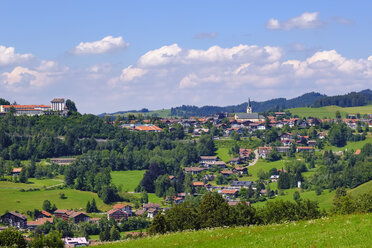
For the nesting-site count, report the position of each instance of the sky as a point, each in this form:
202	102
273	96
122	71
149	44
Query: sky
110	56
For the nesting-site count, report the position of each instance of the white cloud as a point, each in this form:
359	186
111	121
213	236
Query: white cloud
9	57
130	73
40	76
218	75
169	55
161	56
306	20
106	45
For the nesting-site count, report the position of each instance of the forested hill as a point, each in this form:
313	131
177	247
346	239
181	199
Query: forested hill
352	99
305	100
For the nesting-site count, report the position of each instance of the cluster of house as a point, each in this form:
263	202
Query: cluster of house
118	212
57	106
242	121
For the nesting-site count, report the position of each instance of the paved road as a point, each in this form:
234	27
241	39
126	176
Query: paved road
256	155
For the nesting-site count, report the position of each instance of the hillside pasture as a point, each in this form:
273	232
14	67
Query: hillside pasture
362	189
337	231
14	200
330	111
128	180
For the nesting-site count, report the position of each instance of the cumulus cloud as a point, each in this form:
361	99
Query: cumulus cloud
130	73
202	35
106	45
22	77
307	20
217	75
9	57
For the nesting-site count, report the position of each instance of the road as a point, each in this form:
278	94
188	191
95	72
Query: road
256	155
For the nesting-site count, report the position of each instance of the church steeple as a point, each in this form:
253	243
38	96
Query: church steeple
249	108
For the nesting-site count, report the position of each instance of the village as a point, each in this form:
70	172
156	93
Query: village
211	173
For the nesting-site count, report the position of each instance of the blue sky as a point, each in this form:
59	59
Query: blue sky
120	55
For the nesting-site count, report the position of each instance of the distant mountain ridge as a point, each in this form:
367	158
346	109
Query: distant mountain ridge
312	99
277	104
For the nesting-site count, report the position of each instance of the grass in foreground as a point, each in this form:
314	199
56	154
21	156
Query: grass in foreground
129	180
338	231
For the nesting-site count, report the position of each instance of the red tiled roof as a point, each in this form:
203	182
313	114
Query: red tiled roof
198	184
227	172
147	128
114	210
357	152
46	213
229	191
39	221
15	170
119	206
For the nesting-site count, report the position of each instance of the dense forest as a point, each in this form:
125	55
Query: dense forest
352	99
277	104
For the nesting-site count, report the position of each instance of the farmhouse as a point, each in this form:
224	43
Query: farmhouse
75	242
117	214
283	149
124	207
32	224
227	173
62	161
16	171
241	184
305	149
263	151
208	161
229	193
240	170
193	170
15	220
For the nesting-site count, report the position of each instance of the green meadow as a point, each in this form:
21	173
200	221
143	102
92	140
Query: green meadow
336	231
262	165
330	111
362	189
13	199
128	180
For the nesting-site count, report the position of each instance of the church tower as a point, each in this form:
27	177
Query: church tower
249	107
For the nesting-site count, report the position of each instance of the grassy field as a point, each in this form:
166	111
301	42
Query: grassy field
338	231
152	198
330	111
243	143
129	180
32	183
223	154
265	166
325	199
12	199
361	189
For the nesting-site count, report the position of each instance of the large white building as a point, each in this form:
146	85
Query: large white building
58	104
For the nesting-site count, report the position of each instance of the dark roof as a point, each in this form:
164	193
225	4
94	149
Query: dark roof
241	183
18	215
249	116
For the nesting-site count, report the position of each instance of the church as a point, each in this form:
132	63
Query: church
249	116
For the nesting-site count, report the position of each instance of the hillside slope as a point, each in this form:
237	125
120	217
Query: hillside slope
339	231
